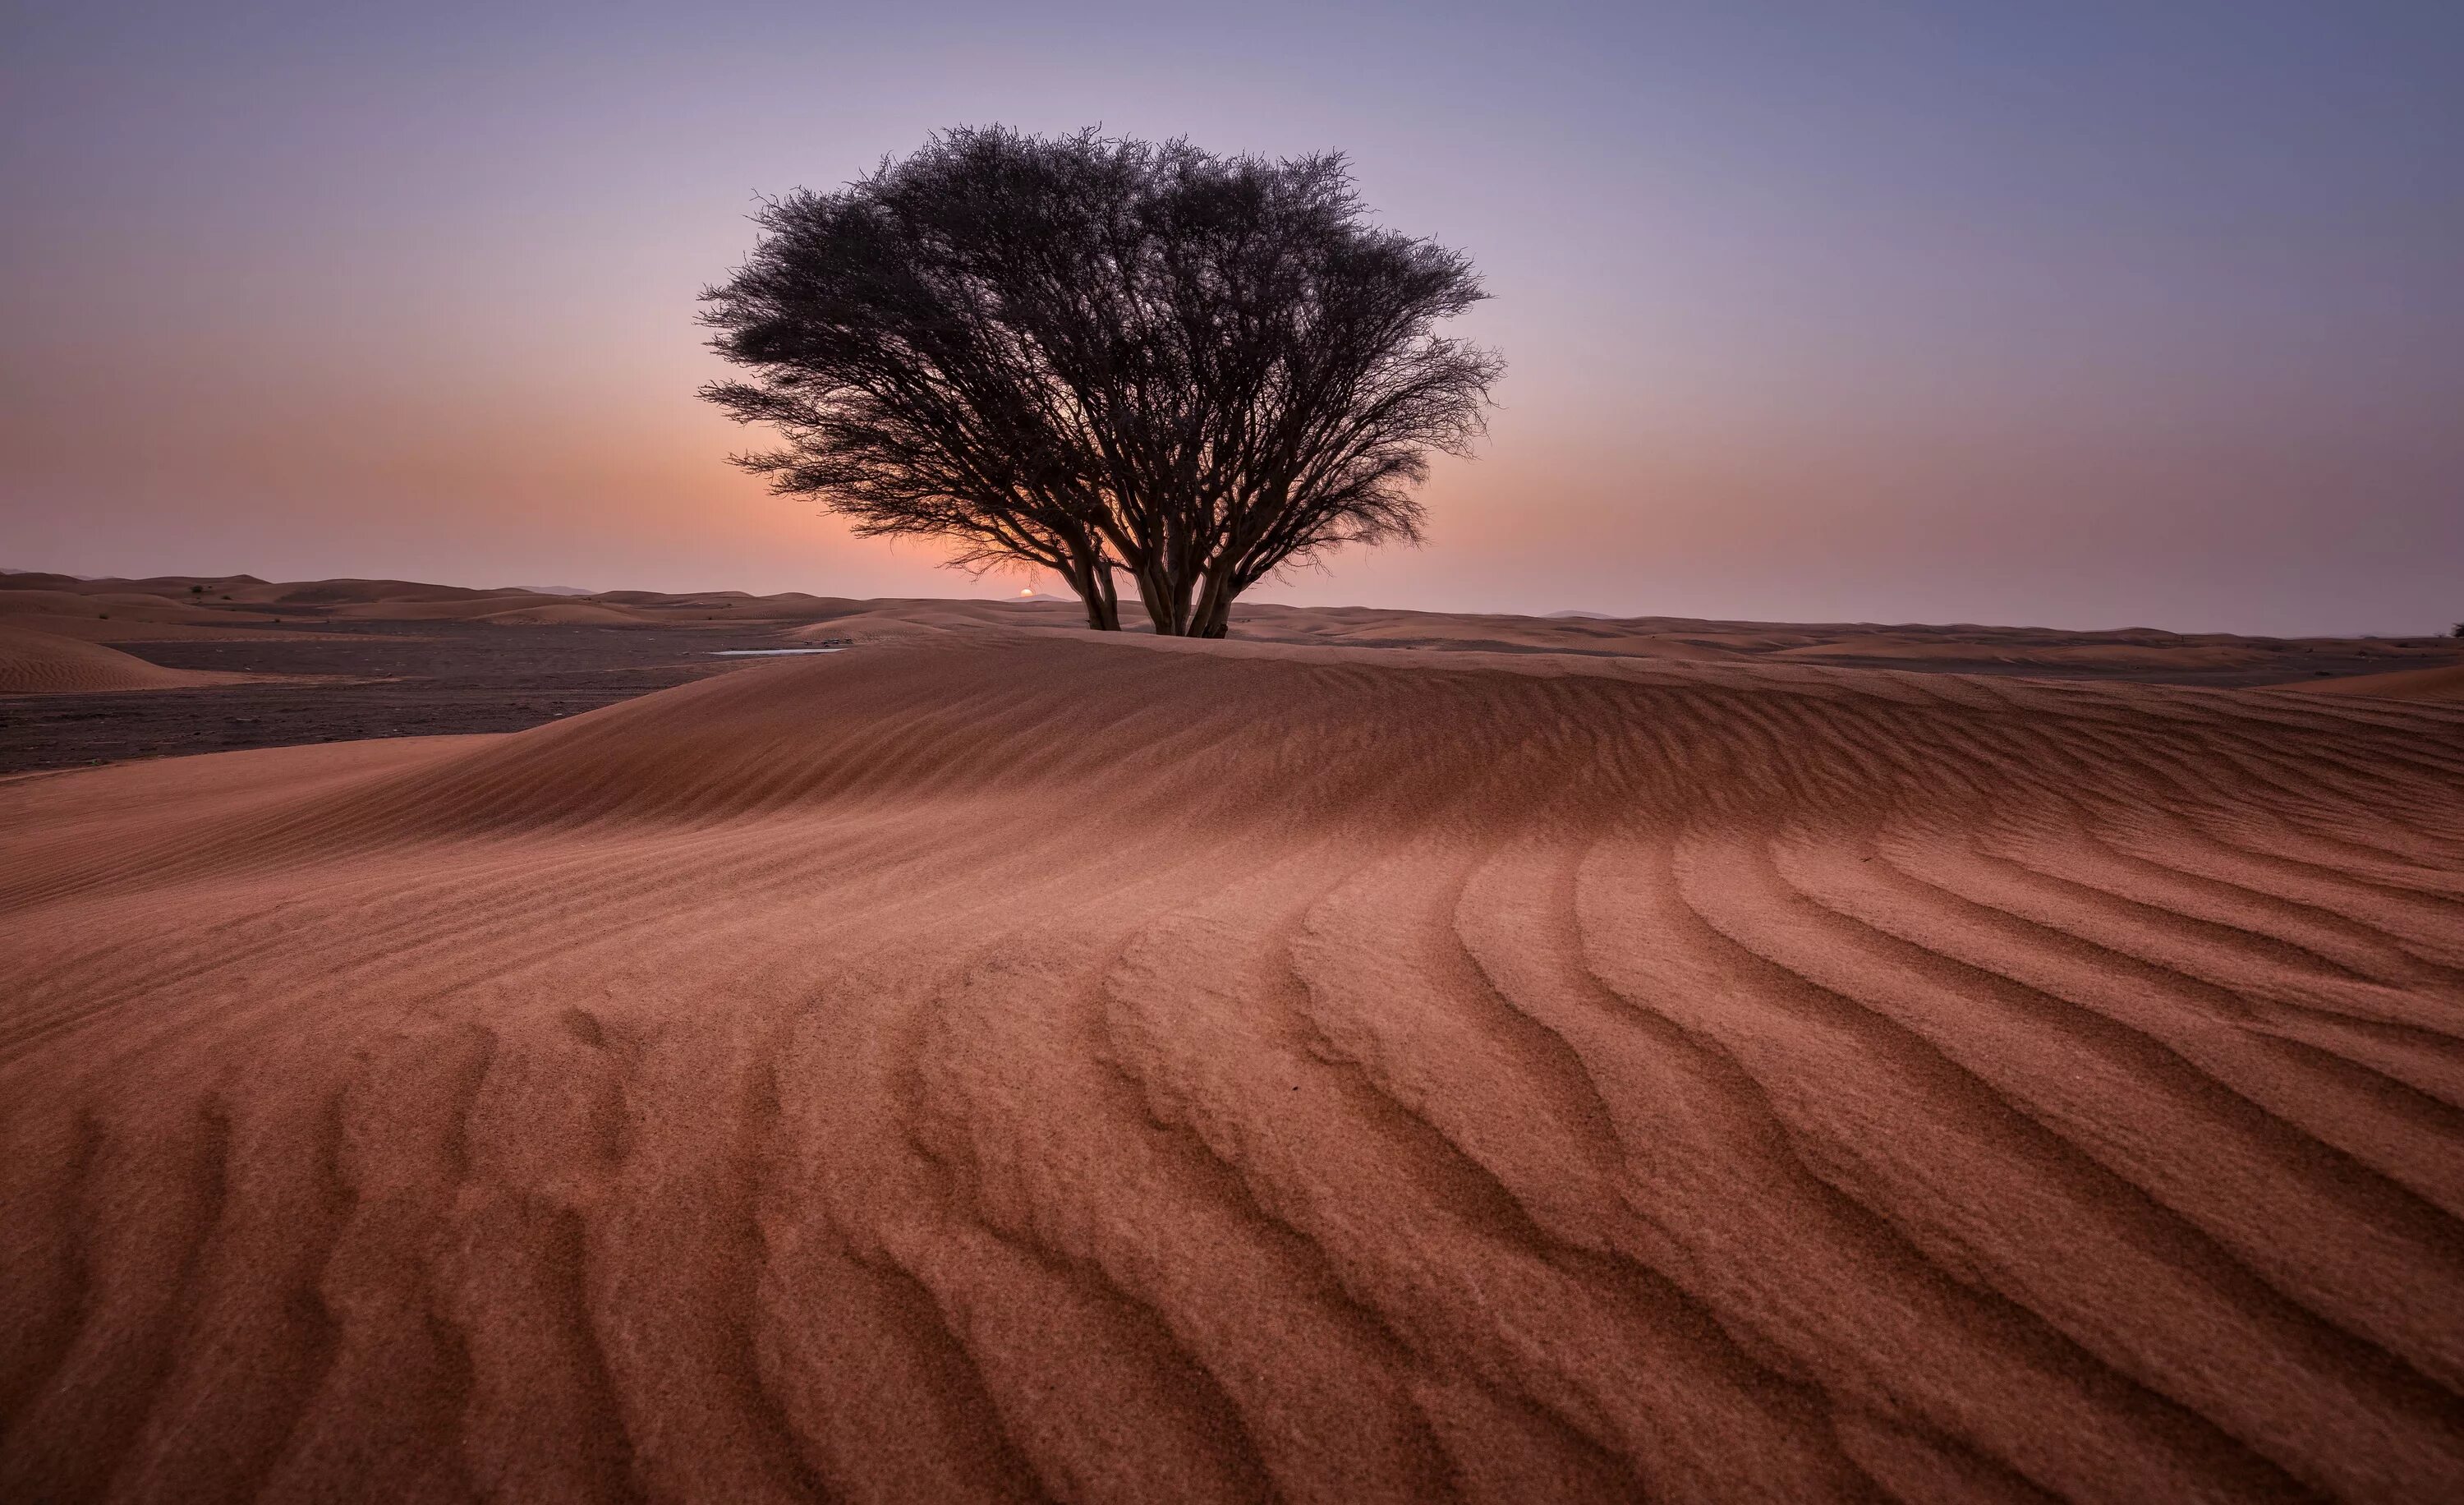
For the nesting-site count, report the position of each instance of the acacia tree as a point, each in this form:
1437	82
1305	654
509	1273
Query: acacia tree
1102	356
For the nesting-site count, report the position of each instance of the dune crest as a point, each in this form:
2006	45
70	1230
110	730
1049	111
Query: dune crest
575	613
998	1065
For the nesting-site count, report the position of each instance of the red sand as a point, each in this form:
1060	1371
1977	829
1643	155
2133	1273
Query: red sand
563	613
191	607
46	663
2403	684
119	606
1014	1067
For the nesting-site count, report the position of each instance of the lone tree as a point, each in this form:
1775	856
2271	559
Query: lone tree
1096	355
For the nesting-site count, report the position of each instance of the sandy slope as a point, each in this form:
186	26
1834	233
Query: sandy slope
126	606
2405	684
2124	652
564	615
46	663
996	1067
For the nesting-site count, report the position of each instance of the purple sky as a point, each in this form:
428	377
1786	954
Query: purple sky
2078	313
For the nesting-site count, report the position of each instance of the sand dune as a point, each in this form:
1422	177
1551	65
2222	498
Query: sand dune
45	663
572	613
454	609
2143	653
350	592
129	606
869	620
2124	650
1883	648
1007	1066
2403	684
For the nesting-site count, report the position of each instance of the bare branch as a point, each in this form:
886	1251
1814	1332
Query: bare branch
1091	354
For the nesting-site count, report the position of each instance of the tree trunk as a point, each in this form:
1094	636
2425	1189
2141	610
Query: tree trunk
1093	583
1213	617
1167	601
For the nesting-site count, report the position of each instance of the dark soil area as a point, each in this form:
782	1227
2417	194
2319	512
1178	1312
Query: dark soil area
386	679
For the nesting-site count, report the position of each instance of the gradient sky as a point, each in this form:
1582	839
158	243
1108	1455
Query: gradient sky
2065	313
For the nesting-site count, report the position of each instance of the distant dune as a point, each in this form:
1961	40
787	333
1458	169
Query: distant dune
2405	684
133	607
570	613
46	663
188	607
444	608
991	1064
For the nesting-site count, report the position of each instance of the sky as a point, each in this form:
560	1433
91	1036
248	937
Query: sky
2076	314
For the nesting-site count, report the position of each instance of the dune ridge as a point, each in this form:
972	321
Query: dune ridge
2120	652
1010	1065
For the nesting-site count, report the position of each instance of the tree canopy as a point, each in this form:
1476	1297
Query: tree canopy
1095	356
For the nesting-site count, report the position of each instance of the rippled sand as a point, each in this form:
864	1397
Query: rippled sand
1014	1067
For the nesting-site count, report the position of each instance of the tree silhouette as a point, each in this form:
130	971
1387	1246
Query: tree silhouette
1097	355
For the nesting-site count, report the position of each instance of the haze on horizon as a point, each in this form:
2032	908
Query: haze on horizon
2110	315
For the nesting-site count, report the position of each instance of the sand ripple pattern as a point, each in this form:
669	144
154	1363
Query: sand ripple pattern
1019	1067
49	663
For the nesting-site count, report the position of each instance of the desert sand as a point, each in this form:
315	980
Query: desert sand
996	1064
239	609
2402	684
49	663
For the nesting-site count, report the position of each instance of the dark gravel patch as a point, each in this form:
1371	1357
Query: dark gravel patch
379	679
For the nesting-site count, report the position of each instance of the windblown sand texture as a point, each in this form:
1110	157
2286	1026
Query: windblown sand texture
1005	1067
46	663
